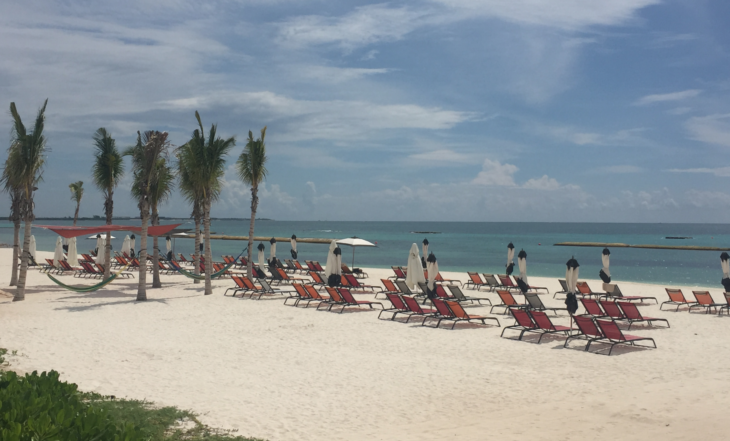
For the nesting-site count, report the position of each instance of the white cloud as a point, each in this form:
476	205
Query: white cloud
719	171
713	129
679	110
620	169
336	75
438	157
625	137
708	199
665	97
543	183
497	174
650	200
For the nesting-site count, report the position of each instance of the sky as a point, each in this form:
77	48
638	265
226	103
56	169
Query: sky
426	110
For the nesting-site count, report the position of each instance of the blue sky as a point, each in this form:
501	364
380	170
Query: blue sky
491	110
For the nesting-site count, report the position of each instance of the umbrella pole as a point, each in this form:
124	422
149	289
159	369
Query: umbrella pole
353	259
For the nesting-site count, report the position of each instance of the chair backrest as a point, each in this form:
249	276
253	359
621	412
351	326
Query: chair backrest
265	285
298	265
630	310
617	292
343	280
412	304
347	295
248	283
442	308
507	298
592	307
310	265
182	257
438	277
312	291
396	301
335	295
564	285
491	280
441	292
587	326
389	286
523	318
226	259
727	297
403	287
100	268
611	330
534	301
676	295
345	269
399	272
475	278
703	297
612	309
457	309
422	286
282	273
353	281
505	280
239	281
456	292
65	265
542	320
583	288
317	266
316	278
300	290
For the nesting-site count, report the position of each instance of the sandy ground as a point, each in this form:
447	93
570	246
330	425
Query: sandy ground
286	373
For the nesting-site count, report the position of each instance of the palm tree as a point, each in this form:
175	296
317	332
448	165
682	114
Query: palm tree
252	171
77	192
185	164
15	217
23	171
145	156
159	193
108	169
208	158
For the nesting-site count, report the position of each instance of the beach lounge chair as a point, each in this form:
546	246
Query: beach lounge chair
475	282
125	274
316	296
404	288
439	279
634	316
87	258
563	286
89	271
416	310
438	290
616	294
586	291
725	307
587	330
357	272
459	295
613	311
676	297
399	274
462	315
535	304
614	336
316	279
705	300
299	267
317	266
545	325
301	295
349	300
354	283
523	323
240	286
492	282
442	313
284	277
399	307
510	284
506	282
508	302
593	308
389	286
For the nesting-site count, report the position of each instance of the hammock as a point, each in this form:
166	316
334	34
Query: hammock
88	288
212	276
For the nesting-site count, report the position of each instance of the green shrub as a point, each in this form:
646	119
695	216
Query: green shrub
40	407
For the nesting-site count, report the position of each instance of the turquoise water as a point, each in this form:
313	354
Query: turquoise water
476	246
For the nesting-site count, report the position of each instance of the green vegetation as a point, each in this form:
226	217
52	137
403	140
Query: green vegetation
41	407
252	171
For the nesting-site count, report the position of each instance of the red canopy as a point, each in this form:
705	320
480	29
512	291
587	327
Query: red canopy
69	232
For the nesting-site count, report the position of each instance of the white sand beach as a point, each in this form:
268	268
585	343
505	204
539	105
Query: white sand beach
285	373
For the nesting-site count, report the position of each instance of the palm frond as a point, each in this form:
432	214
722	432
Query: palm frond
77	191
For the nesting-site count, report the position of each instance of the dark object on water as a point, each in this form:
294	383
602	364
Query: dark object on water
510	268
604	277
426	232
334	280
571	303
678	237
523	286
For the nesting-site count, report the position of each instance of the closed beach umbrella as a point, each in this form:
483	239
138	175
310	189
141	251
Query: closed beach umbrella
510	257
522	264
31	248
432	267
73	256
58	253
262	257
338	259
168	244
424	252
132	240
571	278
415	269
201	241
331	267
100	244
294	253
605	274
126	245
725	263
272	251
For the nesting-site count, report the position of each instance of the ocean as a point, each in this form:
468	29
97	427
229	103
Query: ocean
476	246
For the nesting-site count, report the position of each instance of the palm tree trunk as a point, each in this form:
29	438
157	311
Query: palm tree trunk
155	252
109	208
142	289
208	250
254	206
76	214
20	291
196	255
16	253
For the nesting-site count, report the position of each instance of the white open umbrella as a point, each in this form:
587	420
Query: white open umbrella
294	252
102	235
262	256
432	267
333	264
73	256
272	251
126	245
355	242
31	247
58	253
522	263
415	268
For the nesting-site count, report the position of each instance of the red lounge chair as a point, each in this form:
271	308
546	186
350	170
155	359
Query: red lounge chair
460	297
508	302
349	300
634	316
613	311
354	283
462	315
316	279
399	274
317	266
509	284
506	282
399	307
676	297
614	336
704	300
442	313
592	307
416	310
587	331
523	323
357	272
546	325
475	282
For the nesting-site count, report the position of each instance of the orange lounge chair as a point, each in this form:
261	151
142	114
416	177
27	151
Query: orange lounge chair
508	302
461	314
416	310
676	297
475	282
705	300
